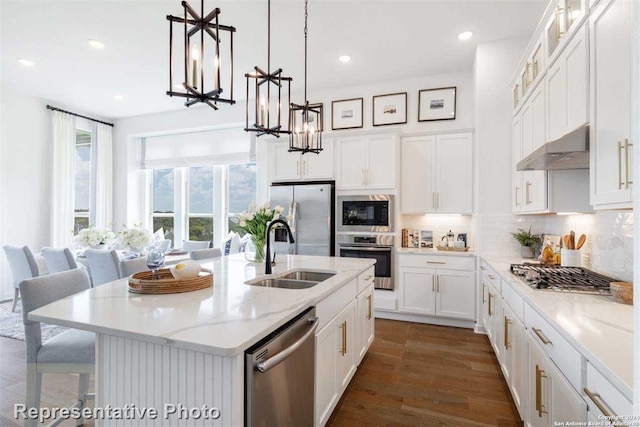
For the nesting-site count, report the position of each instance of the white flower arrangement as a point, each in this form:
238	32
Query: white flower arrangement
255	220
95	236
135	237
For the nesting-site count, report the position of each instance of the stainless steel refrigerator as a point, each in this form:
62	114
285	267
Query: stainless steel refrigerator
312	206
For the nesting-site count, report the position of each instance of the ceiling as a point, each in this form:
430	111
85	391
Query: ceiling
387	40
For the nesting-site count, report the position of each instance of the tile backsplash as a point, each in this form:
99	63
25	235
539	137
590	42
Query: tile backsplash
609	246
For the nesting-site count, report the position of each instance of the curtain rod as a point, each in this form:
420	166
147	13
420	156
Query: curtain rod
49	107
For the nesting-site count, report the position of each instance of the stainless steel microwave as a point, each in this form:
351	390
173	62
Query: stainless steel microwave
365	213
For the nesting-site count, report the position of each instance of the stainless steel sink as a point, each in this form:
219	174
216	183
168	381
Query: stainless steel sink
313	276
285	283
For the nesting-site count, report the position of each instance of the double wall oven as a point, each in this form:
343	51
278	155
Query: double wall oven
358	217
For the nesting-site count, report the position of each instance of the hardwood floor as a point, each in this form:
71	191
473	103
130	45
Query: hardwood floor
426	375
413	375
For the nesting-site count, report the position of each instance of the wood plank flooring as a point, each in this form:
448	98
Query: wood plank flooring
413	375
425	375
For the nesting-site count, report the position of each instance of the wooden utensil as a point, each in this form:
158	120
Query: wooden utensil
565	241
581	241
572	239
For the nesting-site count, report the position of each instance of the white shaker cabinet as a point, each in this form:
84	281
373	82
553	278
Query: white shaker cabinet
366	162
365	321
437	174
418	291
514	355
516	175
611	146
455	294
286	166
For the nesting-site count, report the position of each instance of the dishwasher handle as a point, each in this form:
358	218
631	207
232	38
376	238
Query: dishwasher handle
271	362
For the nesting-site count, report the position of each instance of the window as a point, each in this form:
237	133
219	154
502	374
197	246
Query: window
82	180
200	206
195	203
241	190
162	194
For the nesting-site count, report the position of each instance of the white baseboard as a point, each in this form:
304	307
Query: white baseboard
479	329
404	317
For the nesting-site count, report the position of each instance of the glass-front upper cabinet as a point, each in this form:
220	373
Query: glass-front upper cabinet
537	62
575	12
555	29
525	80
516	96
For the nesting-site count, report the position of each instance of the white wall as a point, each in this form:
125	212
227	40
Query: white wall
128	206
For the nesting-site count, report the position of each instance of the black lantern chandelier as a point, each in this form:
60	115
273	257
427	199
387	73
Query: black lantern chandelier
266	121
305	121
202	75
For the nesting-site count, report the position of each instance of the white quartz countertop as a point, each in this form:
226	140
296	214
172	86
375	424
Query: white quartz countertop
224	320
598	327
434	251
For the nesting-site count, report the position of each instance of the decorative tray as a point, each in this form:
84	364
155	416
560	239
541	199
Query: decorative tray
448	249
143	282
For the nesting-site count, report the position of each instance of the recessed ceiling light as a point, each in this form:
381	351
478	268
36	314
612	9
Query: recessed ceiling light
96	44
118	97
465	35
344	58
26	62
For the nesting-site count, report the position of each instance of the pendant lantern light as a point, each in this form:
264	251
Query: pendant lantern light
305	120
262	87
203	80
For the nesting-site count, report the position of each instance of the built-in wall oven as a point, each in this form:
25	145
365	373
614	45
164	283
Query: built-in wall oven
378	247
372	213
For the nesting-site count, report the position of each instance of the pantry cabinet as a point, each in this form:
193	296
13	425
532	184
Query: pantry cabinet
610	76
286	166
366	162
437	174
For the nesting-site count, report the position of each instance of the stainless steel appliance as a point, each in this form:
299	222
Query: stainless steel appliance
312	206
563	279
571	151
372	213
378	247
280	375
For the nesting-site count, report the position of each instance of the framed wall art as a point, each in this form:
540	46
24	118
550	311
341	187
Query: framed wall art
437	104
347	113
390	109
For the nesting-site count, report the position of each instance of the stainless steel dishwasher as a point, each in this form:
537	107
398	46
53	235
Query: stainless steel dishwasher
280	375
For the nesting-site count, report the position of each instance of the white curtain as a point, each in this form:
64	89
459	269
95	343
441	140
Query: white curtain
63	179
103	149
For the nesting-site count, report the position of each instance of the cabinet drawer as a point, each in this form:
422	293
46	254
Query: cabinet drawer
514	300
329	308
604	395
437	261
366	278
567	358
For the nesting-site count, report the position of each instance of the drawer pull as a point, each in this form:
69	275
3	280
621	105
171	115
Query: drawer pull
436	262
507	322
369	308
366	279
492	277
482	267
490	311
542	336
539	406
599	402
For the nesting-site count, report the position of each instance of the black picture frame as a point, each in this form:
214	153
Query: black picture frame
333	112
378	110
446	110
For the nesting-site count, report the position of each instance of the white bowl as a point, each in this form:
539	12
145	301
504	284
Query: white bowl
185	269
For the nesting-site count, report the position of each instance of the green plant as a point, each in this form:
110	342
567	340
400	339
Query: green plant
526	238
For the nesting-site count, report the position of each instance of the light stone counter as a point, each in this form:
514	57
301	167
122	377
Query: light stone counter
597	327
224	320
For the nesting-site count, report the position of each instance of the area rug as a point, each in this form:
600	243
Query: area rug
11	324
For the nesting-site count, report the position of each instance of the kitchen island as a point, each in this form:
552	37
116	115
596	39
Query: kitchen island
187	349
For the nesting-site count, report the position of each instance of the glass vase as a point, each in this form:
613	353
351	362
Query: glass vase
255	249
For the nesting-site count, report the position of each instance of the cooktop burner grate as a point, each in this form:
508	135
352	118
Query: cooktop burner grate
563	279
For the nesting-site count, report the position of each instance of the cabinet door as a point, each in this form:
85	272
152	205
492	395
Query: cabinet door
365	322
557	99
456	294
496	325
538	187
565	402
538	387
576	64
454	173
610	31
318	166
485	306
346	345
326	372
508	358
286	165
418	175
418	286
517	341
516	177
381	168
351	163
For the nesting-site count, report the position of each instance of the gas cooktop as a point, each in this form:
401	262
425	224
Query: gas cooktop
563	279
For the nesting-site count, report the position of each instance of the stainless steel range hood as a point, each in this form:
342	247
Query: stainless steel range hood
569	152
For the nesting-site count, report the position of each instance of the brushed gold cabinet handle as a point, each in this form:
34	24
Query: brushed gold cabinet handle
599	402
527	193
507	346
343	349
627	144
542	336
620	183
438	283
491	276
539	405
433	283
517	202
483	289
345	337
370	313
490	311
436	262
